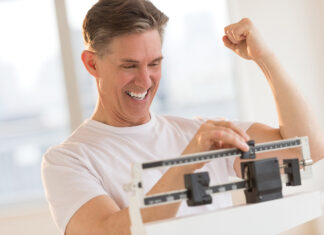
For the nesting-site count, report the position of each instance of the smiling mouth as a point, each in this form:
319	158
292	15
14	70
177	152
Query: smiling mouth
137	96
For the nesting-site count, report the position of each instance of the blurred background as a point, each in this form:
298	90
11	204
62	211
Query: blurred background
45	92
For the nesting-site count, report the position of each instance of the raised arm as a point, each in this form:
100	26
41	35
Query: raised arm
294	115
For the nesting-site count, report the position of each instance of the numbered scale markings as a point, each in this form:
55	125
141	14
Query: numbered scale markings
175	196
201	157
180	195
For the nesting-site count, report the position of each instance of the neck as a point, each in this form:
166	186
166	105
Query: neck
110	118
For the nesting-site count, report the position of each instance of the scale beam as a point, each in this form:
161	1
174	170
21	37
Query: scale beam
259	183
224	153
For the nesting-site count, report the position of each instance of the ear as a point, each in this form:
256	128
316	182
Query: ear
89	60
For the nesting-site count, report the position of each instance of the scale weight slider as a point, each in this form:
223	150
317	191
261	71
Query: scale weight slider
196	185
251	153
263	180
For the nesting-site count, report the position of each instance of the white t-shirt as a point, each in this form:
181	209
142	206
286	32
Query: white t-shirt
96	160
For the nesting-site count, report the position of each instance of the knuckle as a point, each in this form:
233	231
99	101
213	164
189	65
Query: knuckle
209	121
227	124
203	126
199	138
232	126
228	30
227	129
246	20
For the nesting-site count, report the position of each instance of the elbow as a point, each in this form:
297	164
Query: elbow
317	148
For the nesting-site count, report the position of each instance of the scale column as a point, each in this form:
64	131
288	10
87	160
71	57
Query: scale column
135	189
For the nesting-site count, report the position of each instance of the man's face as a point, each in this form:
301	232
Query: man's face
128	77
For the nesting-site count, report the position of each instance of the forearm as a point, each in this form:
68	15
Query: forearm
294	115
172	180
119	222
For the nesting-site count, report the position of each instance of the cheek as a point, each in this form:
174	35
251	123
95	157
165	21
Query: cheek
112	82
156	76
124	79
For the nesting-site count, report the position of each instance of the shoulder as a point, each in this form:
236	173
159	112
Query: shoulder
63	156
71	150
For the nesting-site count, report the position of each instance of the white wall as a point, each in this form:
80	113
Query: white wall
294	30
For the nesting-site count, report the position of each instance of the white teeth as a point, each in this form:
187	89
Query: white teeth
139	96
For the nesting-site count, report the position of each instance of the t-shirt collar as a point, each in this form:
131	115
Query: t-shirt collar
123	130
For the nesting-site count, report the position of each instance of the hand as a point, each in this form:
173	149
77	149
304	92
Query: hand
244	39
216	135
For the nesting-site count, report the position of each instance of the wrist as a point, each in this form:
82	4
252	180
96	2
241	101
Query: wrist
265	58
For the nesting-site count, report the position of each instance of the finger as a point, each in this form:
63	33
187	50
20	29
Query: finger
242	29
227	146
228	33
223	145
219	144
230	132
213	138
234	36
237	36
231	126
228	43
228	138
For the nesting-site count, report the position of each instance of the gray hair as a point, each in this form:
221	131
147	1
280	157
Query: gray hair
108	19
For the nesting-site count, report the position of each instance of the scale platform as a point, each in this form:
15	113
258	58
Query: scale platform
271	217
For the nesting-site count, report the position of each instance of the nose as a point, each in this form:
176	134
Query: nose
143	78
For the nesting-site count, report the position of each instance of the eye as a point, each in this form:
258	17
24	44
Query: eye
154	64
132	66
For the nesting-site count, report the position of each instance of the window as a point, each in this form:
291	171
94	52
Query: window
33	114
197	79
197	70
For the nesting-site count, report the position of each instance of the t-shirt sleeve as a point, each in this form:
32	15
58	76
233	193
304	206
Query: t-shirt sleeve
68	184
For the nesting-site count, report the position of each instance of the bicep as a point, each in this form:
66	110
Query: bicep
262	133
90	218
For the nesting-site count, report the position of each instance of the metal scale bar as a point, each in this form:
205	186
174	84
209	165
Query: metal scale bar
138	200
175	196
223	153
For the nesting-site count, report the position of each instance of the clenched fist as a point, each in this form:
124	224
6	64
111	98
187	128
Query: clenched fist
244	39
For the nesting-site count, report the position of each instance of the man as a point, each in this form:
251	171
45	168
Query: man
84	176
